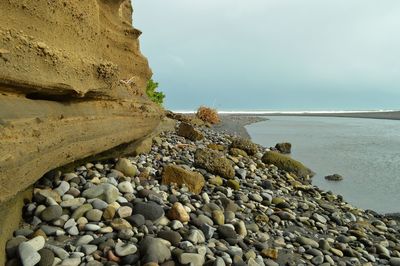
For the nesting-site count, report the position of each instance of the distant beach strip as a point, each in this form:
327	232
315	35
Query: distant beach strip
234	122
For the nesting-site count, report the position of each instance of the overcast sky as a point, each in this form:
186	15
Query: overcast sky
273	54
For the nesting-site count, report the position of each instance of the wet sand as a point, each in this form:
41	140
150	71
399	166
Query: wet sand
235	124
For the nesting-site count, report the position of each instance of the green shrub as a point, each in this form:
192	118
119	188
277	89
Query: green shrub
155	96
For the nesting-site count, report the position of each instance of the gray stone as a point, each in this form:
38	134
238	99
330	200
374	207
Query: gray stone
46	257
73	231
88	249
69	176
68	224
255	197
317	260
94	215
94	263
23	232
154	250
51	213
241	173
126	234
62	188
126	167
395	261
75	202
125	187
84	240
49	230
71	262
381	250
136	220
122	249
334	177
191	258
28	255
205	219
12	246
220	262
79	212
99	204
207	230
37	243
226	232
150	210
241	229
92	227
104	191
124	211
319	218
176	225
59	252
307	241
270	262
196	237
173	237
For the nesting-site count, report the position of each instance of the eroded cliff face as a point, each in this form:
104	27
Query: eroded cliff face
72	84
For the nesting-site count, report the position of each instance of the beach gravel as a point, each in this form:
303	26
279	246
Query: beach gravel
218	200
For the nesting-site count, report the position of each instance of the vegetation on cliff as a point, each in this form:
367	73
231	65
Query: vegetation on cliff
155	96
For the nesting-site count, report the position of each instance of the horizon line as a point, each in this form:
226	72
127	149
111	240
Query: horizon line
292	112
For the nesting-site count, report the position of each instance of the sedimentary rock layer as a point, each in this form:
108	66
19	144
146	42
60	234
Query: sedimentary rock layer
72	84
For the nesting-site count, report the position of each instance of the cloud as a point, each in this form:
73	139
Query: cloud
309	47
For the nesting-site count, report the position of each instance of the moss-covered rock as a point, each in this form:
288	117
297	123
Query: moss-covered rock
286	163
237	152
214	162
178	175
234	184
284	147
188	131
245	144
216	181
216	147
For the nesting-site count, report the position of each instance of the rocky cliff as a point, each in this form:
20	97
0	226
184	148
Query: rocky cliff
72	84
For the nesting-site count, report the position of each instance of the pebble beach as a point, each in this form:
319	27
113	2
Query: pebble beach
201	196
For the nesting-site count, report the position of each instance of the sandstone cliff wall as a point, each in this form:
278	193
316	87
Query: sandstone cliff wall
72	84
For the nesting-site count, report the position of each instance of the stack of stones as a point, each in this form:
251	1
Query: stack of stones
206	200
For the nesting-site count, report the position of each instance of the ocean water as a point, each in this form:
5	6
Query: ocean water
366	152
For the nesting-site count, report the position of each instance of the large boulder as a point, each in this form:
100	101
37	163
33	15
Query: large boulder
214	162
245	144
286	163
284	147
334	177
190	132
178	175
72	84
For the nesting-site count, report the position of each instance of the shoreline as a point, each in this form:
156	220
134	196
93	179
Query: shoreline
390	115
367	115
235	124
